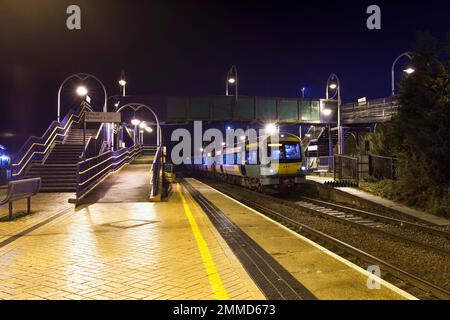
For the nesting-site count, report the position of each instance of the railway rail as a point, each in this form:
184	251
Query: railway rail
371	221
399	276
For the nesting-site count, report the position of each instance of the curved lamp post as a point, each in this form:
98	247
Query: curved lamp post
334	84
232	79
82	77
135	107
408	71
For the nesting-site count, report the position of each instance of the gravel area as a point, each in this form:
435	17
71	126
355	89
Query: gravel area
429	265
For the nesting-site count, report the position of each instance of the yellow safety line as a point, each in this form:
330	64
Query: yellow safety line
213	275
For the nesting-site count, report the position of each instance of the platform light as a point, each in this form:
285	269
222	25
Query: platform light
409	70
116	104
326	112
142	125
333	86
141	131
231	80
82	91
122	82
270	128
135	122
148	129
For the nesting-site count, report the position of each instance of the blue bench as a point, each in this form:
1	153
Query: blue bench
21	189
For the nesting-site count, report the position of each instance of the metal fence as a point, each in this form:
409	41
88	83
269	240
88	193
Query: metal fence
381	167
379	110
345	168
326	163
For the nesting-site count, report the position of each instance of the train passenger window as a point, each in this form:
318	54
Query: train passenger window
252	157
277	153
238	158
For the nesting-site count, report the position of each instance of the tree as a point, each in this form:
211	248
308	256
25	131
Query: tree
419	136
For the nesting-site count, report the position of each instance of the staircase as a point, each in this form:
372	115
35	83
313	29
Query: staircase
59	170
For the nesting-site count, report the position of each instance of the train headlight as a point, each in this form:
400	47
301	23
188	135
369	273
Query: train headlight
303	168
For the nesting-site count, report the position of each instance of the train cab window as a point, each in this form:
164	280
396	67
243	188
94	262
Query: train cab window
286	152
292	151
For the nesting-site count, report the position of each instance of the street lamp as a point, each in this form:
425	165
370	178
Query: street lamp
334	84
270	129
408	71
122	82
326	112
303	92
232	79
81	90
135	122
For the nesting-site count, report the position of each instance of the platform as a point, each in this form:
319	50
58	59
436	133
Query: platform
127	249
323	273
416	214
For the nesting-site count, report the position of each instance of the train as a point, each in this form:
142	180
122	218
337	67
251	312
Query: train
284	172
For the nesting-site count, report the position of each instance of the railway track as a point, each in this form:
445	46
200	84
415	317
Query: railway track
373	222
398	276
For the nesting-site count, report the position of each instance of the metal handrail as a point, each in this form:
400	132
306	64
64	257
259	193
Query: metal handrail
29	145
155	172
92	171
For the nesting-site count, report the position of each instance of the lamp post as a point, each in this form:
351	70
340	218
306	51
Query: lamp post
136	122
334	84
82	77
123	83
303	92
409	70
232	79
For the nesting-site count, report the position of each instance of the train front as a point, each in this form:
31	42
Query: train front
286	168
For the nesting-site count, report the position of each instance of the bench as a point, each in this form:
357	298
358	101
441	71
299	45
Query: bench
21	189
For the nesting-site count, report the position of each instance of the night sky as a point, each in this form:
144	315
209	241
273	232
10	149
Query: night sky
186	48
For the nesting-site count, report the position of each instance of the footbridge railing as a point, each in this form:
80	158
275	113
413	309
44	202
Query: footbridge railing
156	176
373	111
92	171
36	148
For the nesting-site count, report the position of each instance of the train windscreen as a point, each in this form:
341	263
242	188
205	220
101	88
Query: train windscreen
287	152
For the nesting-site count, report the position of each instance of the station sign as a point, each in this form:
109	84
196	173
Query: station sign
108	117
362	101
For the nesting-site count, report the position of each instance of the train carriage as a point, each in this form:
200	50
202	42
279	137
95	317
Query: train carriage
241	164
